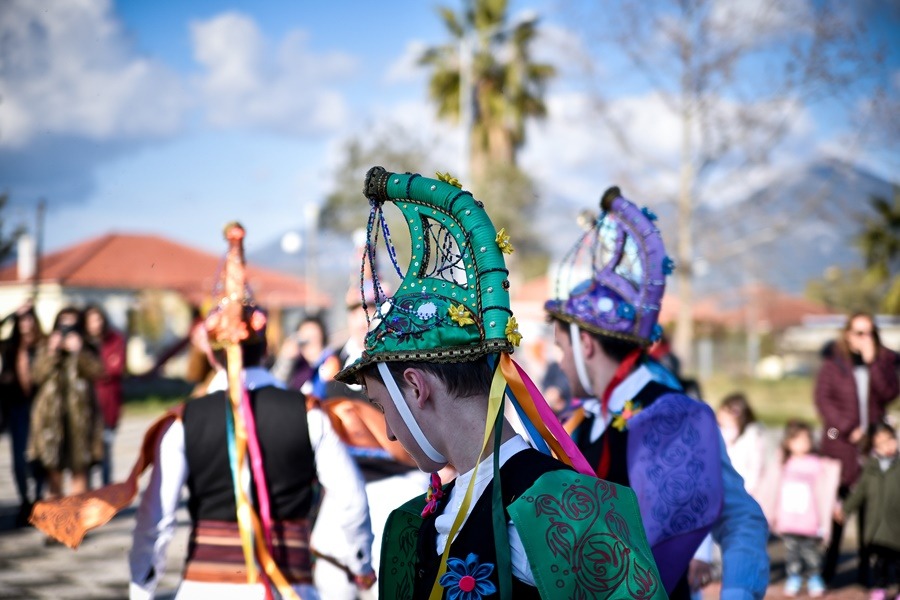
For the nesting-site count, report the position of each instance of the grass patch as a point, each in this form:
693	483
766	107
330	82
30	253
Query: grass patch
774	402
150	405
144	396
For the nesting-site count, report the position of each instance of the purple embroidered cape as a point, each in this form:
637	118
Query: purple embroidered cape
674	467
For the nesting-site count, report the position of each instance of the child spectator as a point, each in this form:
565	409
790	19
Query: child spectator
878	491
744	439
801	513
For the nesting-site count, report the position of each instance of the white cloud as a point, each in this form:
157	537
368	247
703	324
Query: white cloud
67	69
577	152
753	22
249	82
406	68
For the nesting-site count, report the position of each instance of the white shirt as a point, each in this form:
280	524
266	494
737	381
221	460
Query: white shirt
444	522
748	455
625	391
155	524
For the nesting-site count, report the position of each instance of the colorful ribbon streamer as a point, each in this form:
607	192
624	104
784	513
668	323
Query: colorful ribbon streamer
542	416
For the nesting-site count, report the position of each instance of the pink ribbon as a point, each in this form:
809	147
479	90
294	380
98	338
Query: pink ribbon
579	463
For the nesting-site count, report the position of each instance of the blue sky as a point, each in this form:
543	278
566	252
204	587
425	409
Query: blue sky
175	117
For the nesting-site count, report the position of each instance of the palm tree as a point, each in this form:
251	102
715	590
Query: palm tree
880	244
507	86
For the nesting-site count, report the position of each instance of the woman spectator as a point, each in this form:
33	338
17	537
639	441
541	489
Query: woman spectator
305	362
857	381
66	428
109	345
744	440
17	390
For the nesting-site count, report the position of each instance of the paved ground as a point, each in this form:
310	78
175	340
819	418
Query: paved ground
99	568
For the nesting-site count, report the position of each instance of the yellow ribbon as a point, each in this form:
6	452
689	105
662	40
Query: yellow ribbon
248	522
495	401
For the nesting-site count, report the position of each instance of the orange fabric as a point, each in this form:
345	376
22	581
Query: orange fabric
521	392
574	421
330	368
69	519
361	425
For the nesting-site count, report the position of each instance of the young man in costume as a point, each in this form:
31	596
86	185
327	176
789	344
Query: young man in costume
636	431
248	452
515	523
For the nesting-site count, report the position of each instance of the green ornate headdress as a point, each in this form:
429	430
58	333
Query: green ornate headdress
453	301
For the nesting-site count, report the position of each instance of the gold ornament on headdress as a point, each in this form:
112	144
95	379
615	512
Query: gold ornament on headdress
448	178
503	242
512	332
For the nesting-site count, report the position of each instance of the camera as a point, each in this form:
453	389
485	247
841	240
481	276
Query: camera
65	330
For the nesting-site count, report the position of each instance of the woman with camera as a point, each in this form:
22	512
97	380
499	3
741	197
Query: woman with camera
66	428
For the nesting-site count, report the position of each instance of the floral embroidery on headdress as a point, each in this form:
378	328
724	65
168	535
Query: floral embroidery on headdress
461	315
512	332
503	242
468	580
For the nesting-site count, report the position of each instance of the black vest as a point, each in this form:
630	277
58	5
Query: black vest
476	536
618	450
284	442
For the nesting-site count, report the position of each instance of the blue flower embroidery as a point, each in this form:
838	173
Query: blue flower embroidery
657	333
468	580
625	311
649	213
668	266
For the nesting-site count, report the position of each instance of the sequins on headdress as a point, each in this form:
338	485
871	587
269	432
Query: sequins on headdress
448	303
612	280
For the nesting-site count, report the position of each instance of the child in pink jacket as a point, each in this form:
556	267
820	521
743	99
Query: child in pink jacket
801	514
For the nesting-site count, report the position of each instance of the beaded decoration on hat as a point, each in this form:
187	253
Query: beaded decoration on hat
612	280
453	301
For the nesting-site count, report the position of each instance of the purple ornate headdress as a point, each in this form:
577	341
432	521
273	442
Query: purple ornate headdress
612	281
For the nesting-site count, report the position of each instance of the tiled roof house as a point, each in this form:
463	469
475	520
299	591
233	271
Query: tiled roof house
116	269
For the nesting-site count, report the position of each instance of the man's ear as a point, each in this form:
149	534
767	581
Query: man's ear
588	344
418	384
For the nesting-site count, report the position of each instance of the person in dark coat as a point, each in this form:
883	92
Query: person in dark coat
109	345
17	389
857	381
